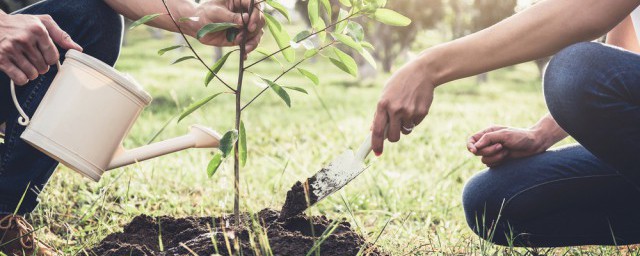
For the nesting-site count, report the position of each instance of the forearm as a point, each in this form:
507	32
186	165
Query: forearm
136	9
548	132
539	31
624	36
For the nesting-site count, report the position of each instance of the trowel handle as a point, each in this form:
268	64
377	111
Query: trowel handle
365	148
24	119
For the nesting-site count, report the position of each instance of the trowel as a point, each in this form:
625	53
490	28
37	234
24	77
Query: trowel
342	170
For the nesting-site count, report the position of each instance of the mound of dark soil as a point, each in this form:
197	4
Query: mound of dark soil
202	235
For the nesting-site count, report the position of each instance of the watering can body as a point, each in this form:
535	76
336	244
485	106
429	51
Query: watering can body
87	113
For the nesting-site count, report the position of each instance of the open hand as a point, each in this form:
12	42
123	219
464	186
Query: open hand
497	144
27	45
405	102
218	11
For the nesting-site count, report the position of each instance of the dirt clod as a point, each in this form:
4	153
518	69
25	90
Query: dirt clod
299	198
202	235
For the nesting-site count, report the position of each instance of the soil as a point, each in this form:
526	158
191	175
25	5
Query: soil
291	237
299	198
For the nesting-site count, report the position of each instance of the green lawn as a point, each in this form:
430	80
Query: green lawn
415	186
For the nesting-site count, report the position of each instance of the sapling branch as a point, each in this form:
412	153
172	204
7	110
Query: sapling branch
181	32
285	72
302	39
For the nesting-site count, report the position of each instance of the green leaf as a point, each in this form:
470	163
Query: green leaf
281	92
296	89
309	75
341	25
145	19
216	68
165	50
367	45
348	41
214	164
301	36
355	31
314	11
264	52
182	59
280	8
242	149
391	17
185	19
320	25
281	37
345	62
214	27
369	58
227	141
231	34
311	53
197	105
327	7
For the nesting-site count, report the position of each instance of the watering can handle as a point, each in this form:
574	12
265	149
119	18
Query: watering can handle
24	119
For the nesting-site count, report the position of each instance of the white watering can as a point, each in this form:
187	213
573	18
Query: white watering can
86	114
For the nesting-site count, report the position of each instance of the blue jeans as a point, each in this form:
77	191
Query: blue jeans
98	29
583	194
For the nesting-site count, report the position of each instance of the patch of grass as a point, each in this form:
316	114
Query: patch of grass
420	179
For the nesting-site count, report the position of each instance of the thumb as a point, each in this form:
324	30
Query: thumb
491	138
59	36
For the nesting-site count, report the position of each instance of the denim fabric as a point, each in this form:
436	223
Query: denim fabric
583	194
98	29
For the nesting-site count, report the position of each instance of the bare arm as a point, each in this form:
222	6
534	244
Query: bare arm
624	36
214	11
539	31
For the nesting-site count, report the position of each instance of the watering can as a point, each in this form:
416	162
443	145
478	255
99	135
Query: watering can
86	114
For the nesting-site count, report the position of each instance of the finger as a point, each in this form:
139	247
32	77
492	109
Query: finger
58	35
407	126
490	138
48	51
26	67
255	20
479	134
394	128
379	125
15	74
35	57
497	159
254	42
471	147
490	150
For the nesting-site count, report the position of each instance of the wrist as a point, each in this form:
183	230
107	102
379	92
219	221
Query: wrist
431	63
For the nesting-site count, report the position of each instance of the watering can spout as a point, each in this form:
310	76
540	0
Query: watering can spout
198	137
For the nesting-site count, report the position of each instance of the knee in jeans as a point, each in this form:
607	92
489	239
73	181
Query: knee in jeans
481	207
102	27
570	78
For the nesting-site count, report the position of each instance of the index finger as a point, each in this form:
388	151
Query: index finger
379	124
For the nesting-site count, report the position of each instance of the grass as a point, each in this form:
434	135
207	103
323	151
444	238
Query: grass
408	201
